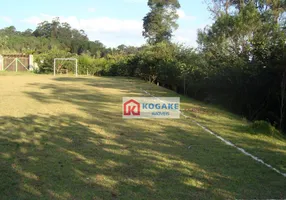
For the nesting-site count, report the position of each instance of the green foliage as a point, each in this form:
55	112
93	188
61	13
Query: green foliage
263	127
46	60
47	36
160	22
245	54
86	64
100	66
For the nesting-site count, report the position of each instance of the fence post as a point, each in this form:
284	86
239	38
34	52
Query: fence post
16	62
76	67
31	61
1	63
54	67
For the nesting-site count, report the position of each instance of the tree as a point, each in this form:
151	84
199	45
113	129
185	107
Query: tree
160	22
3	42
244	49
55	26
11	30
273	8
28	32
282	100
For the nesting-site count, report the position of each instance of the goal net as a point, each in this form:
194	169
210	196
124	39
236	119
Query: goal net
65	66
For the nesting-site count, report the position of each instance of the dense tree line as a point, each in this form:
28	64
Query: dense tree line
48	36
240	62
245	51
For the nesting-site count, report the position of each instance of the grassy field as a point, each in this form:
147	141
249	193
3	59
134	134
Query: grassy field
64	138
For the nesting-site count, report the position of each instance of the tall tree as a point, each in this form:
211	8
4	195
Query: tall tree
160	22
11	30
275	8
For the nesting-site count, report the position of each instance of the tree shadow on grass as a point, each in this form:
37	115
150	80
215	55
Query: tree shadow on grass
270	148
199	160
106	157
52	93
46	157
115	83
58	157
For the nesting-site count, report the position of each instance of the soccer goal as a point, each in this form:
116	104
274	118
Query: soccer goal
65	65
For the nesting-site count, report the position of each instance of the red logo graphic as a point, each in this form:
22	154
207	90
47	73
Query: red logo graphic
131	107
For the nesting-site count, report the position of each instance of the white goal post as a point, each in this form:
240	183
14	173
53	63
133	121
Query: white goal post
63	59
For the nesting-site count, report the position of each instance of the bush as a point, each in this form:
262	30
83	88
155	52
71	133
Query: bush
264	127
46	60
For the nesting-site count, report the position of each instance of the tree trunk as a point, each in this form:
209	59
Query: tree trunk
282	100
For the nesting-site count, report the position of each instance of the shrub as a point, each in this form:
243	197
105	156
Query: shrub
264	127
46	60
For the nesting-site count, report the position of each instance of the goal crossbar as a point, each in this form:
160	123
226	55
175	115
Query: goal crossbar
73	59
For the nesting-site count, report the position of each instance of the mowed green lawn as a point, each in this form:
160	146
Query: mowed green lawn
64	138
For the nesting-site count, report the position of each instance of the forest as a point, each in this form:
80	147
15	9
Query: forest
239	64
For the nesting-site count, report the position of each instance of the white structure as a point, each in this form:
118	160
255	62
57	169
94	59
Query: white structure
1	63
31	62
63	59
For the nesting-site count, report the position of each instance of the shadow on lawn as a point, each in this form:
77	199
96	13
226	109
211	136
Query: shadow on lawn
119	83
105	157
124	84
268	147
60	157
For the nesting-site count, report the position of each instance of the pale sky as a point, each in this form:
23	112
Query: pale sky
113	22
